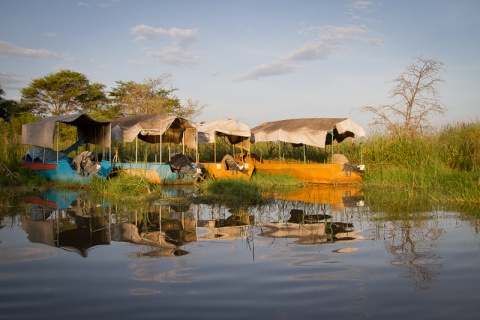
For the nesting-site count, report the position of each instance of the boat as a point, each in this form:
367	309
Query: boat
57	165
157	130
237	165
317	132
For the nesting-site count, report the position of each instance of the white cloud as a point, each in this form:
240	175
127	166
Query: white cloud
11	50
144	32
361	5
327	41
266	70
176	56
177	52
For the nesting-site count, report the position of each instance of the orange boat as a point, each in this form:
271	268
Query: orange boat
314	132
236	166
242	169
322	173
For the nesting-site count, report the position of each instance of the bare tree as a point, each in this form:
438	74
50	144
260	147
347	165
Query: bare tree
416	99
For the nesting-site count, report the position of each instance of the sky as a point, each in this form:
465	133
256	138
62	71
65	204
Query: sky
252	60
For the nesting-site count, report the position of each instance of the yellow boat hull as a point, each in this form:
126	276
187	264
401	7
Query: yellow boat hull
321	173
219	171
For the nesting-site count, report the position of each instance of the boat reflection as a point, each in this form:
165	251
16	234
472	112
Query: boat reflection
310	229
339	197
161	231
226	224
66	220
69	220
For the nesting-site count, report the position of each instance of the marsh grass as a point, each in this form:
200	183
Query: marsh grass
124	187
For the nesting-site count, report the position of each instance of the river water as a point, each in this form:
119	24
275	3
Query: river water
309	254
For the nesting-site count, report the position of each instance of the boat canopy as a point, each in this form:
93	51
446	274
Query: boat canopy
237	133
308	131
41	133
154	128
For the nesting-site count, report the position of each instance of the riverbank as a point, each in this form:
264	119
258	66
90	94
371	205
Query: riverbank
444	163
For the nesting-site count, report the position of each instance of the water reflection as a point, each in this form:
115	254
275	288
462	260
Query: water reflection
161	229
64	220
345	259
68	219
315	215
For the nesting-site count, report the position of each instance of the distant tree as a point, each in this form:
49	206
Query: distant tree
151	96
7	107
415	97
61	93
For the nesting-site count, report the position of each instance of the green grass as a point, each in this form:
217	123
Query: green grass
124	187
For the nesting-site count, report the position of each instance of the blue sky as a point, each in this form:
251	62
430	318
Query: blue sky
255	61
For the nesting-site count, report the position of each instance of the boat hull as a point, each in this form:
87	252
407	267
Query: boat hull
158	173
219	171
321	173
64	171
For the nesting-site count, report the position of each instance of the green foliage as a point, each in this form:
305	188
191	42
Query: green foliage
8	108
150	97
61	93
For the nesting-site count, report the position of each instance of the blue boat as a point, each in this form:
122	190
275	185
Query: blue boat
158	129
57	165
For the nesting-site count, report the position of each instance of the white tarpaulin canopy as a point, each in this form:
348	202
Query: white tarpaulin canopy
41	133
151	127
237	133
308	131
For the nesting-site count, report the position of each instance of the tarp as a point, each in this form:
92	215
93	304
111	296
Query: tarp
41	133
149	128
237	133
308	131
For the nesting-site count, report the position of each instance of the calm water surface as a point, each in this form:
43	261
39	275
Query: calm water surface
63	256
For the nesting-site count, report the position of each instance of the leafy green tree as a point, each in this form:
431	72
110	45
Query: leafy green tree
416	99
7	107
61	93
151	96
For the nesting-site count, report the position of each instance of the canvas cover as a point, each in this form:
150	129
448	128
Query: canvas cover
308	131
237	133
149	128
41	133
